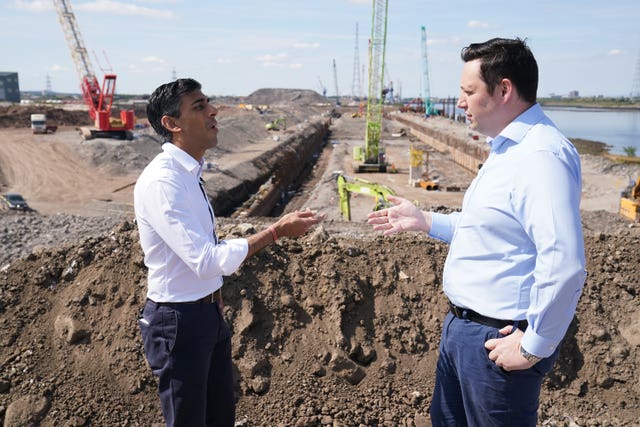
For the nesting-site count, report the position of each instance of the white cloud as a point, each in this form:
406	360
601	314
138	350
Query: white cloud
56	67
153	59
33	6
120	8
478	24
615	52
361	2
103	6
277	60
161	1
223	61
306	45
295	66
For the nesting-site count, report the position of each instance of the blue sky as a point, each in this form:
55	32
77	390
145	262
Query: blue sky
236	47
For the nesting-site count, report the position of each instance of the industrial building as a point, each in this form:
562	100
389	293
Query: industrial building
9	87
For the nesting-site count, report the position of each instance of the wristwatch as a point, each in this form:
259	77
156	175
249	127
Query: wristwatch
530	357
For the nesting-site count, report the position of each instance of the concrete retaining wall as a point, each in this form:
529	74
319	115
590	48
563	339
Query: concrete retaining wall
464	151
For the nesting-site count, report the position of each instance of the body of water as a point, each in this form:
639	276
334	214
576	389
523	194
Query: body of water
617	129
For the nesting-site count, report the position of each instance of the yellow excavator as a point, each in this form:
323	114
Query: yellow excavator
277	124
348	185
630	202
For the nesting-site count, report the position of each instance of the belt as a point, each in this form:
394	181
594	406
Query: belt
207	299
465	313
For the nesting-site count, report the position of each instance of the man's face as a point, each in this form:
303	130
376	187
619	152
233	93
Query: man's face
197	121
479	106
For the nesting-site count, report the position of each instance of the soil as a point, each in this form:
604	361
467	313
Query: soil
337	328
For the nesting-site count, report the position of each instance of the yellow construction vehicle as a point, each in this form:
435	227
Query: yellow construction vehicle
277	124
348	185
630	202
429	184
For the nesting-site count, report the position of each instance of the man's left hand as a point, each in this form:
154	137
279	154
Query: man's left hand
505	352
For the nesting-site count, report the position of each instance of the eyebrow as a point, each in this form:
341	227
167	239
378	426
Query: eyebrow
201	100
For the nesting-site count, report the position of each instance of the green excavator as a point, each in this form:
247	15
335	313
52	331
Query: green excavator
348	185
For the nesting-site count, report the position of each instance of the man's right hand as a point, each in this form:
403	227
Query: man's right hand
297	223
403	216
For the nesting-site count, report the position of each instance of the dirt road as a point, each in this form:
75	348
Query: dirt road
51	173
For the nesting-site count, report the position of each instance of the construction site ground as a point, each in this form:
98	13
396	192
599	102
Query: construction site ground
337	328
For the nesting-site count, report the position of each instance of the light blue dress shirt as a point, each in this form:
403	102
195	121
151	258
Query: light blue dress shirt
176	225
516	248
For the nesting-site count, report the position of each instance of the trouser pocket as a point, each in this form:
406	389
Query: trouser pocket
158	327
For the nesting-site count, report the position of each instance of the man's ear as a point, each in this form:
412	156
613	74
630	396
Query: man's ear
170	123
506	88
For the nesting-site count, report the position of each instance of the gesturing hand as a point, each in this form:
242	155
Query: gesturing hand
403	216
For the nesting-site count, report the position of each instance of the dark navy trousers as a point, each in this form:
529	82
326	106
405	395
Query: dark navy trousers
188	347
471	390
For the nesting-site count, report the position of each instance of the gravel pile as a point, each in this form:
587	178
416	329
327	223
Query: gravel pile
21	233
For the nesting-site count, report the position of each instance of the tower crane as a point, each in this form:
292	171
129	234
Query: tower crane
98	99
372	158
426	95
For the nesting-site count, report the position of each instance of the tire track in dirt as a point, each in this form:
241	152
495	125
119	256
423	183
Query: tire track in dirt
49	172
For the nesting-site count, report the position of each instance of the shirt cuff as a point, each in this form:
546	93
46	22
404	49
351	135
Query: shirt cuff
537	345
235	251
439	227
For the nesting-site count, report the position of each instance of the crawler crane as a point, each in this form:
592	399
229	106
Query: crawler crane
372	157
98	99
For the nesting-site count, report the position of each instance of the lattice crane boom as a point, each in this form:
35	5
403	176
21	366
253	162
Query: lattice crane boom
426	91
98	99
373	149
335	81
355	84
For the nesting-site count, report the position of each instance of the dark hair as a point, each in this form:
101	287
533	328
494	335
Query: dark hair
165	101
506	59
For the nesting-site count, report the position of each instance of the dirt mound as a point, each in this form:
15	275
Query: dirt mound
17	116
338	328
289	97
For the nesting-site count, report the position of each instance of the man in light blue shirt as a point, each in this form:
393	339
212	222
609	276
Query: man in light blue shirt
516	263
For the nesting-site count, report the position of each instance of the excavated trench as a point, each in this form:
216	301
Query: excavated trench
264	185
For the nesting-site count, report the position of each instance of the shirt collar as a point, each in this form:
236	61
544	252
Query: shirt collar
518	128
186	161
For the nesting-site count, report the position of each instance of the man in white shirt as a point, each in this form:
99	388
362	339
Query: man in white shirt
516	248
186	339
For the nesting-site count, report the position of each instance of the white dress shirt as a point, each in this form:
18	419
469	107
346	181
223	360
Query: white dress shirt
177	231
517	249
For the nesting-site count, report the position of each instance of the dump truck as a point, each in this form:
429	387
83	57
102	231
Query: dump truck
40	124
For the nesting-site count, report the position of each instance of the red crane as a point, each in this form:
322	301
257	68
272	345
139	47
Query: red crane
98	99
